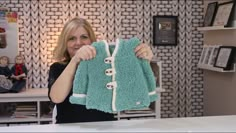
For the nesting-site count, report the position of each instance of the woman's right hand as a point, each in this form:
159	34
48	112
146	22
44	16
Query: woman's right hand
65	81
86	52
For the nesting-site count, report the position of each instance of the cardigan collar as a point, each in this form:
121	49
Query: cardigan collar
117	43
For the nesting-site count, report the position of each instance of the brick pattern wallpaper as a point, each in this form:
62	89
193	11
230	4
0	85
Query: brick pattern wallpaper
40	22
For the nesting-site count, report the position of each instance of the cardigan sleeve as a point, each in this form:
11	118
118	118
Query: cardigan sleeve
150	79
147	72
80	84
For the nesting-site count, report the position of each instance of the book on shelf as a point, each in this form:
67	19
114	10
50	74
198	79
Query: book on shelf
25	111
148	117
26	108
24	114
139	111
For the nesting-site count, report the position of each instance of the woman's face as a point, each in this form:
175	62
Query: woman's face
76	40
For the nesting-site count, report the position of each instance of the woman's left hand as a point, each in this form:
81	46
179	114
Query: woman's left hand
144	51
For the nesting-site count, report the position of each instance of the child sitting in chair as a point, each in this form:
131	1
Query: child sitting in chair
19	74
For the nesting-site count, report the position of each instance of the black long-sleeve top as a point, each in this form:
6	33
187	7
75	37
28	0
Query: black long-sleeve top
67	112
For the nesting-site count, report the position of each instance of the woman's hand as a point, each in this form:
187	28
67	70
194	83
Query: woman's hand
144	51
86	52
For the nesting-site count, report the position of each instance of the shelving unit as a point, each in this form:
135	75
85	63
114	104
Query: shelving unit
216	28
35	96
213	36
219	85
155	106
207	67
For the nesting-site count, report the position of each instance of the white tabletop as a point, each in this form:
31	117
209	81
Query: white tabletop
35	94
190	124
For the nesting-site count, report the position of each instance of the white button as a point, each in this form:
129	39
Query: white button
110	72
111	85
137	103
108	60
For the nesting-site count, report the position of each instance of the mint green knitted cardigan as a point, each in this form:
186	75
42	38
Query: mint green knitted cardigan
115	80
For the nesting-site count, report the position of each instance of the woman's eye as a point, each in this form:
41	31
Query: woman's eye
72	38
84	37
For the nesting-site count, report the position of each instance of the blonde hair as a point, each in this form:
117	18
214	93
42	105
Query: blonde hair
60	52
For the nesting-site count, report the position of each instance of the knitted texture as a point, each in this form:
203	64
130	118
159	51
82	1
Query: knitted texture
132	80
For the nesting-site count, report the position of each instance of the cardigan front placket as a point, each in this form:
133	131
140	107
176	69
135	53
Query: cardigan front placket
112	71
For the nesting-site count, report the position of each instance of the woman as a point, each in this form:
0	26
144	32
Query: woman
74	45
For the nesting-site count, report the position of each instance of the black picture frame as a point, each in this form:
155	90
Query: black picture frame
210	14
225	57
223	14
165	30
213	55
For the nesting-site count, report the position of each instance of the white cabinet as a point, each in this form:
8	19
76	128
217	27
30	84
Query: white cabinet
38	96
34	96
155	107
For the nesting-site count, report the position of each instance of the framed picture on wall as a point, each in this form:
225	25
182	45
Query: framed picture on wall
9	35
164	30
210	14
202	57
225	57
213	55
208	55
223	13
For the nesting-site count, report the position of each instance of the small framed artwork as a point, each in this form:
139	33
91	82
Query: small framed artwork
225	57
210	14
202	57
164	30
213	55
208	55
223	13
